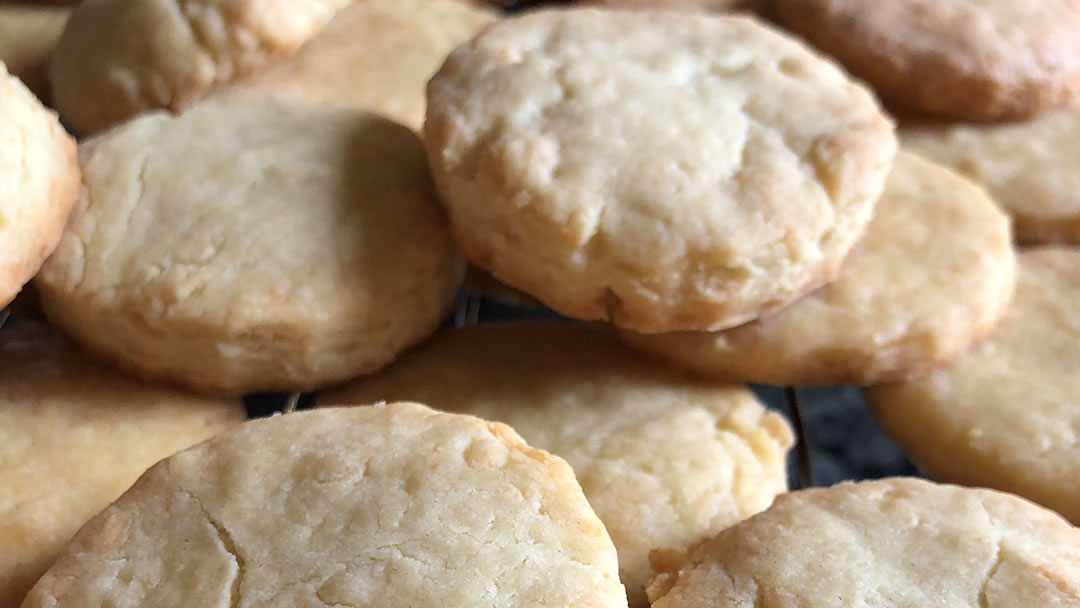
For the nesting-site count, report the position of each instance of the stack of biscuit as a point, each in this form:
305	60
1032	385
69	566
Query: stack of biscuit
273	196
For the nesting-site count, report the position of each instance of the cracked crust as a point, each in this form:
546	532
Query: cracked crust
933	275
1007	416
566	184
39	183
894	542
28	36
975	60
663	458
73	437
1029	168
120	58
378	55
387	505
300	245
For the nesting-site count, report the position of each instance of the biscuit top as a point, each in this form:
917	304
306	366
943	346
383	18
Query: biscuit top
378	55
39	183
119	58
73	436
367	506
895	542
664	458
933	274
1008	415
666	170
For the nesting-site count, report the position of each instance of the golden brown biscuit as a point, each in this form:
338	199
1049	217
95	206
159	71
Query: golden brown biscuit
73	437
28	35
39	183
378	55
1030	169
893	542
119	58
663	170
253	244
971	60
1008	416
932	276
663	458
388	505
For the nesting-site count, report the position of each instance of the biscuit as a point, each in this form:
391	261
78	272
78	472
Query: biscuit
39	183
663	458
28	35
73	437
388	505
1029	168
564	184
976	61
120	58
1006	416
715	6
253	244
893	542
932	276
378	55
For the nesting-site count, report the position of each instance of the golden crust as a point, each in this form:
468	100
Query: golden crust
564	185
364	506
1005	417
73	437
932	276
970	60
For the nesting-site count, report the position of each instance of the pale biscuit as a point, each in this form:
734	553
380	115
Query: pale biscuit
712	6
388	505
894	542
253	244
73	437
1008	416
977	60
932	276
663	458
39	183
28	35
119	58
1029	168
663	170
378	55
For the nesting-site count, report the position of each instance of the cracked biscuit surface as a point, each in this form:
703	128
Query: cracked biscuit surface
977	60
1008	415
73	437
1029	168
119	58
664	170
893	542
664	459
386	505
39	184
253	244
933	275
378	55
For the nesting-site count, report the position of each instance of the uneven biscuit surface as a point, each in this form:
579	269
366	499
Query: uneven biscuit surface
1029	168
119	58
893	542
1007	416
932	276
378	55
978	60
253	244
664	170
663	458
390	505
73	437
39	183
